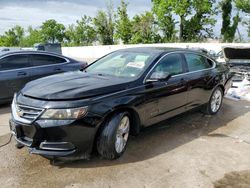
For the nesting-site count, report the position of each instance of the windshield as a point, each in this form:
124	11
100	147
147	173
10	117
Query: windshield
122	64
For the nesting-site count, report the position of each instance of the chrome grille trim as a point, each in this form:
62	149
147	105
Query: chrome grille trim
25	114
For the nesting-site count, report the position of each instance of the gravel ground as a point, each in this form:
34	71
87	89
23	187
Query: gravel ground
191	150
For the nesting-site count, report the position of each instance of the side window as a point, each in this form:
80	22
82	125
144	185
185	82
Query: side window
40	60
14	62
197	62
171	63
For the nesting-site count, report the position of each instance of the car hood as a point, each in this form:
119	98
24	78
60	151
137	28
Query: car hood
73	85
238	58
237	55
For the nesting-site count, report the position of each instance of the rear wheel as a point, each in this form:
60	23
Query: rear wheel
113	138
215	102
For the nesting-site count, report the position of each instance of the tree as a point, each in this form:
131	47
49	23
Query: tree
165	19
70	36
123	24
82	33
52	31
200	25
104	25
228	30
244	5
33	36
13	37
85	33
191	13
144	30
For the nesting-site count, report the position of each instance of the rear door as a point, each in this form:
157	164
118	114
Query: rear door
200	82
45	65
14	73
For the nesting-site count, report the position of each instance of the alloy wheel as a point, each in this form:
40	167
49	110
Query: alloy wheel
122	134
216	101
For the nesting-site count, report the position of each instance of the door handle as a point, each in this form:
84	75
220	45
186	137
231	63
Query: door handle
184	80
57	69
21	74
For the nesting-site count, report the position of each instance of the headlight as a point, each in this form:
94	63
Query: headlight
62	114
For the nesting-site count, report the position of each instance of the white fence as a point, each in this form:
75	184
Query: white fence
90	53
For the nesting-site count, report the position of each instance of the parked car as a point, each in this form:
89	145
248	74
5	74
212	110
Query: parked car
68	115
19	67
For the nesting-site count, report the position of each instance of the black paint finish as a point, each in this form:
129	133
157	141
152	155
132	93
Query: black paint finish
148	102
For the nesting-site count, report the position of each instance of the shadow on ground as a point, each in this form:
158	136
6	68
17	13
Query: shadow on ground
235	179
168	135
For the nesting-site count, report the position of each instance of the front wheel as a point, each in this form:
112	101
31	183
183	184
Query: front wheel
215	102
113	138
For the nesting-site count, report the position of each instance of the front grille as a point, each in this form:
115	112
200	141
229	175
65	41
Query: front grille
29	113
25	114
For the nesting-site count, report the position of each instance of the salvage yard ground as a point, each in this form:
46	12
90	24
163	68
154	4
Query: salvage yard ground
192	150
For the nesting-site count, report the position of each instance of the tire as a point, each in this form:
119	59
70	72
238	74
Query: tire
215	102
113	138
19	146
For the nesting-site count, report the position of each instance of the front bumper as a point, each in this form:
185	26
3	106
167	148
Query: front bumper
66	140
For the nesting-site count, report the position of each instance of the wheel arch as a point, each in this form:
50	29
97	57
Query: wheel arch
134	117
222	87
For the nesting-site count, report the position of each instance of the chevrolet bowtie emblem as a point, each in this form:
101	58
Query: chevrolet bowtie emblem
20	112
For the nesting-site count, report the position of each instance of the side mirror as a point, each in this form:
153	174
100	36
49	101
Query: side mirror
158	76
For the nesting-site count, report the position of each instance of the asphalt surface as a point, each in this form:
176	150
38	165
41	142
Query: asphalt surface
192	150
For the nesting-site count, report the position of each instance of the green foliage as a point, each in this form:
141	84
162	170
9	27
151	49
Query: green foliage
82	33
144	29
33	36
104	25
200	25
195	20
52	31
165	19
123	24
228	31
244	5
12	37
192	20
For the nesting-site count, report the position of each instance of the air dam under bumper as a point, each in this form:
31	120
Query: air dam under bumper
73	140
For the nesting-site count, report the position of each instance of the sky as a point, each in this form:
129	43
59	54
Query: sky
35	12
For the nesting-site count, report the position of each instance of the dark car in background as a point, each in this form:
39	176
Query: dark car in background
19	67
72	114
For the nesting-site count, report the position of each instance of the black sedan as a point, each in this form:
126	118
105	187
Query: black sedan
72	114
19	67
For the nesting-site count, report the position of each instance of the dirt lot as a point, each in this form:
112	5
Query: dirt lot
192	150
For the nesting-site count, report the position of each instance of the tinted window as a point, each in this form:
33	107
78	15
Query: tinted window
171	64
197	62
14	62
39	60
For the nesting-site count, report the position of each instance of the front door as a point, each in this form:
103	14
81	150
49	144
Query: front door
166	98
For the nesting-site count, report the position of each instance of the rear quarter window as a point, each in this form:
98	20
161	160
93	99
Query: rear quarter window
197	62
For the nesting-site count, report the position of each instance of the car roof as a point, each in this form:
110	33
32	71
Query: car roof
29	51
159	50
